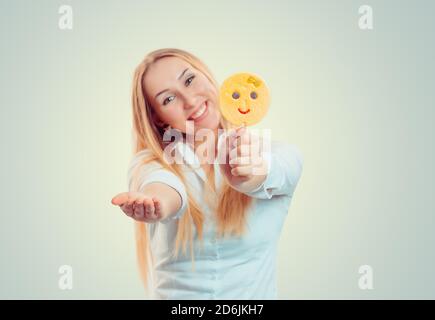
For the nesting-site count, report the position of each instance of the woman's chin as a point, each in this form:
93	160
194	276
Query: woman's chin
214	125
211	122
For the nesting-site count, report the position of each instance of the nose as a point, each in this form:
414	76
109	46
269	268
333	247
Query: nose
191	101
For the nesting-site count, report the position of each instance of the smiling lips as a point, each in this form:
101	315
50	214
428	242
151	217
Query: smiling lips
243	112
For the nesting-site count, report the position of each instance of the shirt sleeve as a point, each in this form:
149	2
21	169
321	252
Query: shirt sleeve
284	170
153	172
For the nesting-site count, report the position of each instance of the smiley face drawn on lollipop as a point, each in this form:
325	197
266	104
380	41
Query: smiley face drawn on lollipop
244	99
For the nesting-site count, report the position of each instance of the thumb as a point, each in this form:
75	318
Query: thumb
120	198
240	130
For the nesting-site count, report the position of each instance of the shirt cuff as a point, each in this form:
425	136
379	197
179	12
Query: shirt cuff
274	179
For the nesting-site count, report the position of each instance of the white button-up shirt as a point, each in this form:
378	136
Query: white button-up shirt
224	268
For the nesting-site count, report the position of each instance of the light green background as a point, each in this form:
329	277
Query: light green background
359	104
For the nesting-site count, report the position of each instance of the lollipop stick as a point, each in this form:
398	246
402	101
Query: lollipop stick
242	126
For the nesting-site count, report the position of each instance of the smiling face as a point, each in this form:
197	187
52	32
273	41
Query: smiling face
179	93
244	99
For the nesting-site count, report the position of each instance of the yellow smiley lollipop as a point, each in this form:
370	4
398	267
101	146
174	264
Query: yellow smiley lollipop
244	99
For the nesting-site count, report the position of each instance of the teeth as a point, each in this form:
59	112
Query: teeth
198	113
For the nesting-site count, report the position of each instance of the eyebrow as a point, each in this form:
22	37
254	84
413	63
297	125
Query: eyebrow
179	77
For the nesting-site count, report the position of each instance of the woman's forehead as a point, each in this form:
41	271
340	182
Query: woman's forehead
168	66
163	72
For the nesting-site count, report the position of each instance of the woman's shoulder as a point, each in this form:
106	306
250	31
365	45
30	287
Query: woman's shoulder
142	162
141	157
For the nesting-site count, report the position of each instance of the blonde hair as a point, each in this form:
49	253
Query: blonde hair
232	206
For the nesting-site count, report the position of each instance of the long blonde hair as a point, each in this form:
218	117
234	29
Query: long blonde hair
232	206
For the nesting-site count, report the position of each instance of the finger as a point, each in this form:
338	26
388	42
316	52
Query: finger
256	149
157	207
128	210
256	159
248	137
242	139
240	161
224	149
240	151
120	198
242	171
251	149
132	198
138	211
236	134
140	199
149	207
231	140
233	133
154	214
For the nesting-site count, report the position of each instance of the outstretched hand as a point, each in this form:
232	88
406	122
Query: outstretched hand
139	206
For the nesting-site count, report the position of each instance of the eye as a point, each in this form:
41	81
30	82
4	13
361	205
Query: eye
167	100
189	81
254	95
236	95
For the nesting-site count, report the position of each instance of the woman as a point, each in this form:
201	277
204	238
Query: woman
229	215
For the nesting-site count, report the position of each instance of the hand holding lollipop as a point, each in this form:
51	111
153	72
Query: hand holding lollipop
244	101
